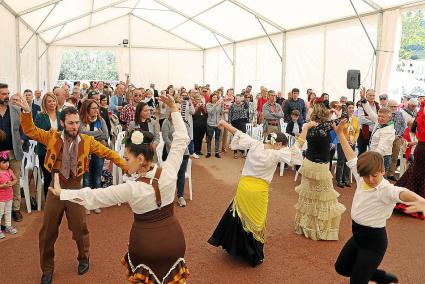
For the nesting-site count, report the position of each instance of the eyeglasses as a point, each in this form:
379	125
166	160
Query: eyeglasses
383	99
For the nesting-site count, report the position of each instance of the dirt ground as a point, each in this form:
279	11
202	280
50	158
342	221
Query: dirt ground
289	258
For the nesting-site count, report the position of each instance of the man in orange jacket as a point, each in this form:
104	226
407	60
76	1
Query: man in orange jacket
68	154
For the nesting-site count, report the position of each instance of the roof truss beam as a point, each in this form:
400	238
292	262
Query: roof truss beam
257	15
194	16
373	5
173	34
83	15
85	29
194	20
38	7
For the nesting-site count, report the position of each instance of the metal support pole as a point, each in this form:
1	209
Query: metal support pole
324	58
129	46
224	50
18	56
53	40
37	62
264	29
283	77
378	54
364	28
234	68
42	22
204	62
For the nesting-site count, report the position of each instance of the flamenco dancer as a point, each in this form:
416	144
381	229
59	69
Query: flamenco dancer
414	177
373	204
318	212
157	245
242	229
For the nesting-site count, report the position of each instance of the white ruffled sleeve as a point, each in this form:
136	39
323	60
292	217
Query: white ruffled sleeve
100	197
291	156
242	141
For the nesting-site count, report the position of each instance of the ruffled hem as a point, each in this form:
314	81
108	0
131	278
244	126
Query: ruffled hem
318	212
316	171
177	274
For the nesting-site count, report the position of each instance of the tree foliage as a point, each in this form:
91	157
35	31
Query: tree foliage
412	44
88	65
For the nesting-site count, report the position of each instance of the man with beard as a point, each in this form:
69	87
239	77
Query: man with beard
10	140
67	154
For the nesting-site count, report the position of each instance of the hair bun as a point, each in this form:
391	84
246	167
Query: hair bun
147	137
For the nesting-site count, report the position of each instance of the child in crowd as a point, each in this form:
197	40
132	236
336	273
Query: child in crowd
373	204
294	127
7	180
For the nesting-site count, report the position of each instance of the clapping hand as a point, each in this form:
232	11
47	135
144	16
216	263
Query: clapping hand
56	189
22	103
310	124
362	93
169	101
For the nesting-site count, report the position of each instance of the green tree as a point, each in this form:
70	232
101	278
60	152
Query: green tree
88	65
413	34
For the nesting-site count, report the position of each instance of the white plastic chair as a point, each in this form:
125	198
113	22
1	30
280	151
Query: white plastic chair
27	165
119	148
257	132
249	129
159	149
291	142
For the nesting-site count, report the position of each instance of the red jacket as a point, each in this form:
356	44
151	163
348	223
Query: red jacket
420	121
260	104
406	136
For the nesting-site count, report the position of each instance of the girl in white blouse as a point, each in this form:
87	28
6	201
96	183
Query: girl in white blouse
242	229
373	204
157	245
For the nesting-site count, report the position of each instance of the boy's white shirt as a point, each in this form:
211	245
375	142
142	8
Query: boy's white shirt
373	206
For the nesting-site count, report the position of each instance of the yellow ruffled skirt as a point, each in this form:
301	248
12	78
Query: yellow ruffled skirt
318	212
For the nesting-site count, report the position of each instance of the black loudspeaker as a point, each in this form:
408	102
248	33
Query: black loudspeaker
353	79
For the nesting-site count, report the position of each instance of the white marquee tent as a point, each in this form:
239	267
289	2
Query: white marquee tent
280	44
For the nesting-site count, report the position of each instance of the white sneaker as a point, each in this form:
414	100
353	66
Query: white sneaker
195	156
11	230
88	212
2	236
97	211
182	202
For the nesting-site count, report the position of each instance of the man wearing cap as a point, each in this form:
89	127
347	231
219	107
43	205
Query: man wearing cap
399	126
409	112
383	100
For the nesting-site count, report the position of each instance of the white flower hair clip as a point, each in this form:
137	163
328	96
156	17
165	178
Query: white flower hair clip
137	137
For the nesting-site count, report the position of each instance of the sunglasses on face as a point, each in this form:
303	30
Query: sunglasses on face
383	99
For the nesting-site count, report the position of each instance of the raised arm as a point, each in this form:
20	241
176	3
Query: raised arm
240	140
180	140
27	124
346	148
92	199
104	152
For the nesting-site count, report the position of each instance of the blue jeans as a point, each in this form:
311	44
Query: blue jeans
181	176
191	147
92	177
342	170
387	163
213	131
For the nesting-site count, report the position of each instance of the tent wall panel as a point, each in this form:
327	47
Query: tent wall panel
304	60
43	68
165	67
347	47
246	65
8	49
269	65
211	66
28	59
219	69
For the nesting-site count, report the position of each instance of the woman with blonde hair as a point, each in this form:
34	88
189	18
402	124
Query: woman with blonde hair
318	212
48	118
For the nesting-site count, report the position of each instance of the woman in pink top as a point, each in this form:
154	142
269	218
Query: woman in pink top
7	180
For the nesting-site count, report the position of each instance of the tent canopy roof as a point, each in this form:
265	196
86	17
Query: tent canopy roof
202	23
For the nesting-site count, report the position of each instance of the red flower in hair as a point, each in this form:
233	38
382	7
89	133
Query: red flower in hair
319	100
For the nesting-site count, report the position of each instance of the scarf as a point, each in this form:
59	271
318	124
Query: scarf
69	158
